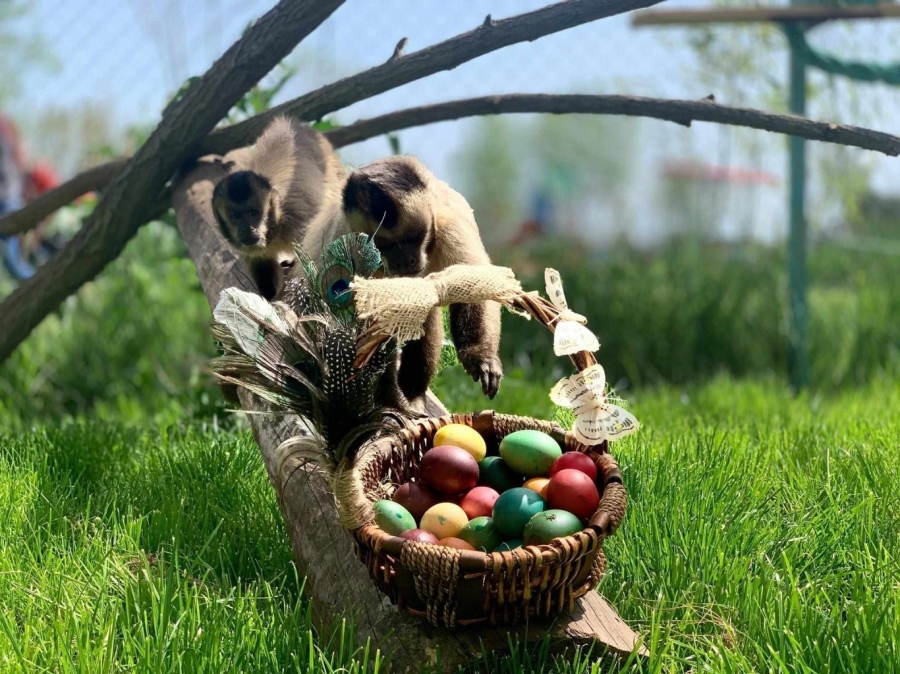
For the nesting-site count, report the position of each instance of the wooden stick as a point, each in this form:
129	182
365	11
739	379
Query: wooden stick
337	584
816	13
678	111
132	197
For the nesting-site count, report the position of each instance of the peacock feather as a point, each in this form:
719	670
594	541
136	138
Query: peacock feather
298	352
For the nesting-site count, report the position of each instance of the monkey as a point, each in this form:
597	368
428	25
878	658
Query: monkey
420	225
272	192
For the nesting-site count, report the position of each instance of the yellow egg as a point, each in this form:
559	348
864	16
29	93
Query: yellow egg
460	435
444	520
538	484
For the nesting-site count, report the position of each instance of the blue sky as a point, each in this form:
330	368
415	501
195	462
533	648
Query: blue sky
130	55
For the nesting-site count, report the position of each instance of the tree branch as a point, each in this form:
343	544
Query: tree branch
410	67
400	69
92	179
125	206
680	112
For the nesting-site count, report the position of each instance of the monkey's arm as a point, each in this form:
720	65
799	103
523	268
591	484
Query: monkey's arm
474	328
265	273
420	359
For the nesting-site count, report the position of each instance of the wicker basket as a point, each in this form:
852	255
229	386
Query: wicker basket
453	587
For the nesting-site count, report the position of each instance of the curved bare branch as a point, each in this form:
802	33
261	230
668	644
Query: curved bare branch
92	179
678	111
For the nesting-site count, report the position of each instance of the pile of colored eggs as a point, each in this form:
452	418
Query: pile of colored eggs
528	495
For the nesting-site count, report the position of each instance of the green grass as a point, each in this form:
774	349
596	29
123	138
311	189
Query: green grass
762	535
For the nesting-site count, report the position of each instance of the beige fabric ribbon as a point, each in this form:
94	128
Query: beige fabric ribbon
400	306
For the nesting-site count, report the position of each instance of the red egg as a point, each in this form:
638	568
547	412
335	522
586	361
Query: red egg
479	502
449	470
575	461
419	535
574	491
416	498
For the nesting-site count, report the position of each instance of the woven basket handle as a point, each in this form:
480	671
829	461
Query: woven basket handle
614	501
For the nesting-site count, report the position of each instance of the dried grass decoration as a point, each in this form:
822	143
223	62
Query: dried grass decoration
321	352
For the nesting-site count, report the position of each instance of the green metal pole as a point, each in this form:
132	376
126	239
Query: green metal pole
798	312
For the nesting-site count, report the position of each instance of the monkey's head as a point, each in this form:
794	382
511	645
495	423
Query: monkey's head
244	205
389	199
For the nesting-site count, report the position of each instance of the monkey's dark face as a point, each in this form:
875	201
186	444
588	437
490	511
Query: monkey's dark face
389	200
242	204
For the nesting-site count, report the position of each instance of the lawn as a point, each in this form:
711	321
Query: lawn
762	535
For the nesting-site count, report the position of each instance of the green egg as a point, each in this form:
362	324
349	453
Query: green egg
513	510
481	533
393	517
506	546
494	473
550	524
530	453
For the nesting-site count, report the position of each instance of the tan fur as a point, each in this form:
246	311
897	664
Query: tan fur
304	176
419	206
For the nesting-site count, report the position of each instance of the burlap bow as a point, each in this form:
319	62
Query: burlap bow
399	307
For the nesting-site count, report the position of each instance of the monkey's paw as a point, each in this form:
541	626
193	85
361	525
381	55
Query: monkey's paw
486	369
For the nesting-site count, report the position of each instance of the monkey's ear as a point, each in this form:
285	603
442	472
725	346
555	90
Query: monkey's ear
361	194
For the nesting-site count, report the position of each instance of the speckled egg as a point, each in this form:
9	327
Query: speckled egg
465	437
530	453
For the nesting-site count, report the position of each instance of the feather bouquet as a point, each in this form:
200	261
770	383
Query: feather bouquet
297	353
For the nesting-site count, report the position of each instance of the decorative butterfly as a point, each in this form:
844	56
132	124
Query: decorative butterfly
596	419
570	335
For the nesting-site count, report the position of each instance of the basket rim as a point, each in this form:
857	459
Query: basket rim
598	528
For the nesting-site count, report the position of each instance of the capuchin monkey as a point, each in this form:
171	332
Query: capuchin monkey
271	194
420	225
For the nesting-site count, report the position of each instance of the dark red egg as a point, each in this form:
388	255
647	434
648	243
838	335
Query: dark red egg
416	498
419	535
479	502
449	470
575	461
574	491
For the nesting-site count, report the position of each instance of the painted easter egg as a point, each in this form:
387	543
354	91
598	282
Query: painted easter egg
479	502
444	520
530	453
538	484
574	491
419	535
393	517
496	474
550	524
449	470
513	510
575	461
416	498
454	542
482	533
465	437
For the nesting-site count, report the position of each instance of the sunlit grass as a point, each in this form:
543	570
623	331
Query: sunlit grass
762	535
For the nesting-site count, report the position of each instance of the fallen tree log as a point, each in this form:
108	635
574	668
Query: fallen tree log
337	585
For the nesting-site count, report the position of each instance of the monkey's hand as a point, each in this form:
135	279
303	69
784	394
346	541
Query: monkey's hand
483	366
